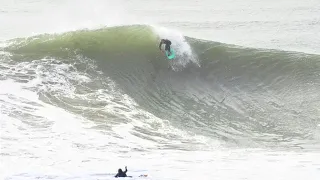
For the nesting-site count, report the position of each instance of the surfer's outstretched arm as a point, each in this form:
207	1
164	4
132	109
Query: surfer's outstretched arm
126	170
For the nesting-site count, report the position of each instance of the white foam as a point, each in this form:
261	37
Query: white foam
53	77
50	140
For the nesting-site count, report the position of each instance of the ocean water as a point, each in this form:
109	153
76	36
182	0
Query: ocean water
84	89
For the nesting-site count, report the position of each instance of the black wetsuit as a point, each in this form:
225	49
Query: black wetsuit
121	173
167	44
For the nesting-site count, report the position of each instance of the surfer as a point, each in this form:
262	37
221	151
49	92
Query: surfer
167	45
121	173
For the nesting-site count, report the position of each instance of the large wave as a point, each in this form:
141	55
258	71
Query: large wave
241	95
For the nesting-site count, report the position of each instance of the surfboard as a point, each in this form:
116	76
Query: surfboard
102	176
172	55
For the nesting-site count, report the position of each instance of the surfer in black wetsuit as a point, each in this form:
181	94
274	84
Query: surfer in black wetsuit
167	45
121	173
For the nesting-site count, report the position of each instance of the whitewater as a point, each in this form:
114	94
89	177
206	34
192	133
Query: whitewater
84	90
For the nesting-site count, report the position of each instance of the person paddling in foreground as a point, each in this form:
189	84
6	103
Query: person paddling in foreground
121	173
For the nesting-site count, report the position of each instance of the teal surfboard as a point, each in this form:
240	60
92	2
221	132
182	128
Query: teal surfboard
172	55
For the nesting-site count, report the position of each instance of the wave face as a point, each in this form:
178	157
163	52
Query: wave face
238	96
